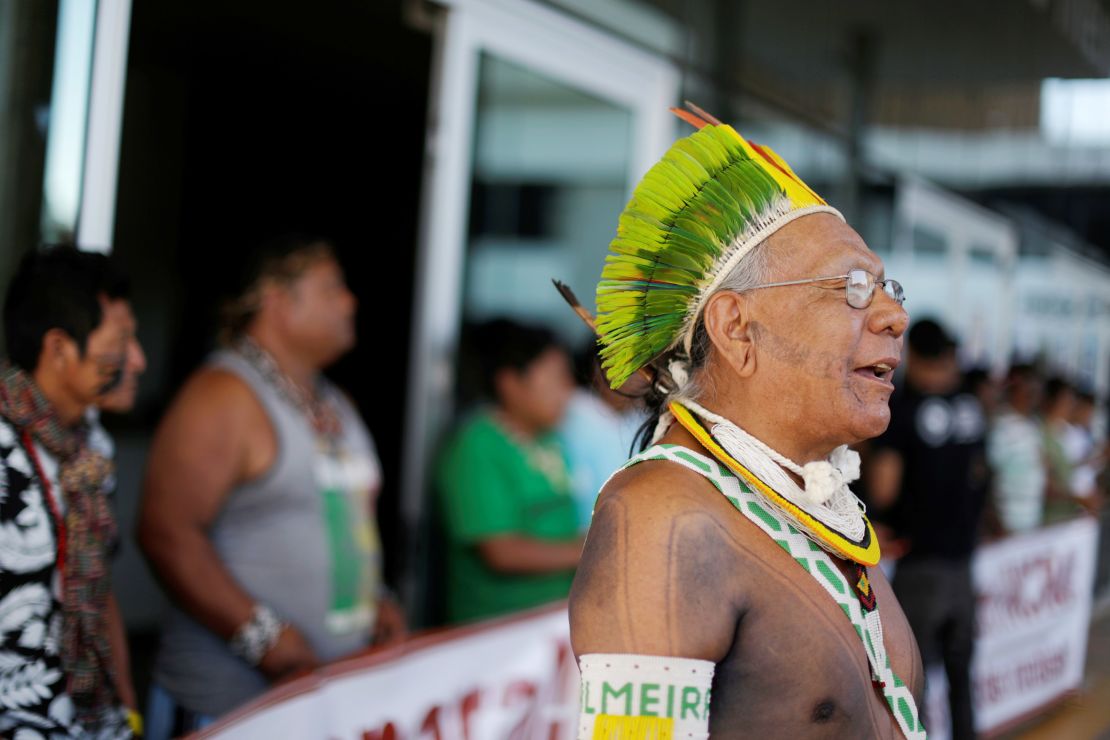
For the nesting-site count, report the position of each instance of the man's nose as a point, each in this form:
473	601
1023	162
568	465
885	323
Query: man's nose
888	315
137	357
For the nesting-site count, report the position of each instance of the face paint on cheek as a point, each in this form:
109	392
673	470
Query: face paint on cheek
791	352
112	383
864	410
850	390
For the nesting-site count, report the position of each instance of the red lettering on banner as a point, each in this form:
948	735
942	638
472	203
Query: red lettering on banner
431	724
521	690
532	700
433	721
1041	671
467	707
989	687
1028	590
518	690
564	664
387	732
998	686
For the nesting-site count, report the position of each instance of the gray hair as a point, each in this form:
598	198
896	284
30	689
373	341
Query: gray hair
753	269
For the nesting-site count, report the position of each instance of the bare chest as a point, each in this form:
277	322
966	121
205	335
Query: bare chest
797	667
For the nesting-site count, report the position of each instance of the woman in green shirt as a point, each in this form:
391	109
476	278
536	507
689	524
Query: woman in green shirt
503	483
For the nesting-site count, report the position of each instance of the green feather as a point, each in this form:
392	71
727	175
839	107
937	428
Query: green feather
682	216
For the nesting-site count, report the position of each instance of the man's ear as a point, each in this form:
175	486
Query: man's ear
269	294
505	382
727	319
58	348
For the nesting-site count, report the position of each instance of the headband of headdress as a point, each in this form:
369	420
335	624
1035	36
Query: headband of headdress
712	198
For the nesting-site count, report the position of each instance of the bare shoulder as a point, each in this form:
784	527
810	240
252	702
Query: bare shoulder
667	503
657	479
656	570
212	415
217	386
214	435
214	397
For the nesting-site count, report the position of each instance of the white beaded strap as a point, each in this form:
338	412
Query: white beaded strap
814	561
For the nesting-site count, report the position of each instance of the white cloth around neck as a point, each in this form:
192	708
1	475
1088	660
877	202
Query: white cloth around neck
826	495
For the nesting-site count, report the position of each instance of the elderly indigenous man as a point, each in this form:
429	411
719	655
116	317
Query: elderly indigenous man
69	332
727	583
258	508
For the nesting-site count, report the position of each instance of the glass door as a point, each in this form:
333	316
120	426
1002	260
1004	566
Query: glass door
548	180
540	125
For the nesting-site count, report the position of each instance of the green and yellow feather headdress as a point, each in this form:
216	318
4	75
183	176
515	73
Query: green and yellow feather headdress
712	198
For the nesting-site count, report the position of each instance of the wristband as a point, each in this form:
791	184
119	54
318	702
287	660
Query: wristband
135	722
644	696
254	638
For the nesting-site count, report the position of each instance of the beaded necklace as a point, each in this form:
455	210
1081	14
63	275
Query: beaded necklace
545	459
320	411
864	551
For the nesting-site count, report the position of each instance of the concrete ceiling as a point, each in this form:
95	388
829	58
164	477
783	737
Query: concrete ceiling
934	43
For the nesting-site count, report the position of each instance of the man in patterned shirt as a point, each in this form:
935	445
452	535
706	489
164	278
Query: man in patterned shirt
68	333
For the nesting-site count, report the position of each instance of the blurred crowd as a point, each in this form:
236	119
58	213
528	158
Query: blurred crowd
969	457
1035	440
258	501
259	495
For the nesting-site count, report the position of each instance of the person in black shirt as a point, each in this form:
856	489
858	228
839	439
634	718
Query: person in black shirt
928	479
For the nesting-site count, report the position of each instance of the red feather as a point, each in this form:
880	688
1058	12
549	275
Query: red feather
690	118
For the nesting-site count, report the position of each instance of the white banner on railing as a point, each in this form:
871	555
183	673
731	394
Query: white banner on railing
514	678
1033	594
1034	610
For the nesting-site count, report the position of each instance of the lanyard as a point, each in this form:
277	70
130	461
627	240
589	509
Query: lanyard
51	503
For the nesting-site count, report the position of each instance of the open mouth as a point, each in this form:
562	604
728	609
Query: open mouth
882	371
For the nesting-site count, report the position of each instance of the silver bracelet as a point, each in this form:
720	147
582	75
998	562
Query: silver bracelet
254	637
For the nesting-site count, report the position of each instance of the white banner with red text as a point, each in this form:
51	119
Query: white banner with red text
1033	613
512	678
516	678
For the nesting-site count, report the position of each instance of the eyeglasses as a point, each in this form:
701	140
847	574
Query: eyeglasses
859	287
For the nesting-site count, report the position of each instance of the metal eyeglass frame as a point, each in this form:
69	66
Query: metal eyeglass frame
892	288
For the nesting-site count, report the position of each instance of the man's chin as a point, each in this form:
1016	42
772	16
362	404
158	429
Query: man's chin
345	346
337	352
119	402
874	424
346	339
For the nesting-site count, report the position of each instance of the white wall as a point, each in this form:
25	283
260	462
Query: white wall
998	301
